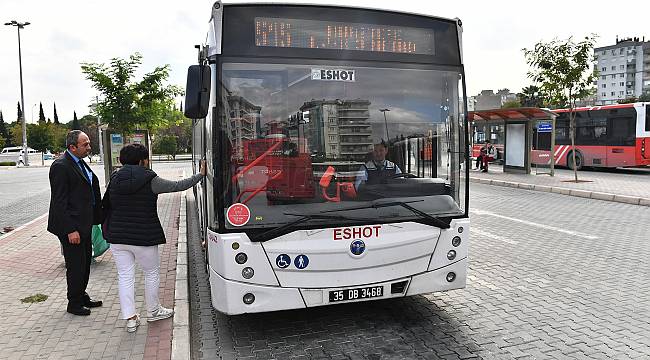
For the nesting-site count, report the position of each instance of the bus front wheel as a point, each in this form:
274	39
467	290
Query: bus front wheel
579	161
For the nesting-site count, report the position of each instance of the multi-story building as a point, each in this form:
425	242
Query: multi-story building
244	122
488	100
339	129
624	70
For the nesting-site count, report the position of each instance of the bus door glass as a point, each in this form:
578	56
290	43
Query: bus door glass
621	137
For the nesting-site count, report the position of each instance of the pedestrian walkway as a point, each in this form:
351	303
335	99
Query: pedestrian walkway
31	263
620	185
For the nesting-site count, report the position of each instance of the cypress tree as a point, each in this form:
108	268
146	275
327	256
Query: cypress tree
4	133
41	114
20	114
75	122
56	117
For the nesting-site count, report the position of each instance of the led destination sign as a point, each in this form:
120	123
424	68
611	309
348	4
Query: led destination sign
314	34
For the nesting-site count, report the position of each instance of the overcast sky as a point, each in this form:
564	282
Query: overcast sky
66	32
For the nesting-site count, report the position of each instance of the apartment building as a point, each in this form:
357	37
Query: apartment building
624	70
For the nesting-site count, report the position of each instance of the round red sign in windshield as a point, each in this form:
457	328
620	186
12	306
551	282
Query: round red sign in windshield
238	214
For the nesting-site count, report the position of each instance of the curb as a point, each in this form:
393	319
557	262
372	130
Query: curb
634	200
21	227
181	330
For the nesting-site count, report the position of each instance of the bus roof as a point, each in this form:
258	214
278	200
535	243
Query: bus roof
603	107
455	20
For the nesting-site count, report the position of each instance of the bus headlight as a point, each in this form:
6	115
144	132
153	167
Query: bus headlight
247	273
455	241
249	298
451	255
241	258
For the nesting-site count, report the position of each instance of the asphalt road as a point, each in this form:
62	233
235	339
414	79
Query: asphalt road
550	277
25	192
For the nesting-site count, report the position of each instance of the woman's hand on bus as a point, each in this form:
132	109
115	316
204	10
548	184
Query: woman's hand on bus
202	169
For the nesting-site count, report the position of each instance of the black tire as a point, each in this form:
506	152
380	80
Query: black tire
579	160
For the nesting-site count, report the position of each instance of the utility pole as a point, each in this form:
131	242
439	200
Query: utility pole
22	97
386	124
99	130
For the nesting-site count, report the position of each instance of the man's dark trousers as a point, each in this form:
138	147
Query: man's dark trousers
77	263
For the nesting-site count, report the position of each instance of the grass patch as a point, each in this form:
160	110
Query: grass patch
34	298
7	163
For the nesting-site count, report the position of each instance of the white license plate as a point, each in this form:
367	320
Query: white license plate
356	293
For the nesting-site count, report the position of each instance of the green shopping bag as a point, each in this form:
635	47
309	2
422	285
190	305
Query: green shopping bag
99	244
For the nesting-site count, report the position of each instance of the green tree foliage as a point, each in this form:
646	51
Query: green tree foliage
129	104
75	123
88	124
41	115
20	116
56	116
17	133
180	128
530	96
563	70
40	136
165	145
511	104
5	137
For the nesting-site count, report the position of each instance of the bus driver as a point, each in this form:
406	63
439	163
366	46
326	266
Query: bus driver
377	169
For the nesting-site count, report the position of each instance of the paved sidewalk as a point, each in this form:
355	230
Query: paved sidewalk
631	186
31	262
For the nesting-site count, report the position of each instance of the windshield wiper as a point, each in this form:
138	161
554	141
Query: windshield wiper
284	229
405	204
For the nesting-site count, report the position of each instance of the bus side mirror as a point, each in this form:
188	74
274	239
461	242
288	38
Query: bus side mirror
197	92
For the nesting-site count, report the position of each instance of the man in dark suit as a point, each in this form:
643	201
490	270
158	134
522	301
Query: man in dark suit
75	205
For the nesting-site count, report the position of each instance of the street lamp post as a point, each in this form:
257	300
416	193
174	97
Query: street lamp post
22	96
386	124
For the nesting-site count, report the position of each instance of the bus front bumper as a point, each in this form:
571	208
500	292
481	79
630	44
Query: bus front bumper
229	296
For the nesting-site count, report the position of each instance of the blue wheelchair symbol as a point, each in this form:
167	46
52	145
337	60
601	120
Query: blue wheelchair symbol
301	261
283	261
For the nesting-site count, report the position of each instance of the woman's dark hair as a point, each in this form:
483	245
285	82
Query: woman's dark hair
132	154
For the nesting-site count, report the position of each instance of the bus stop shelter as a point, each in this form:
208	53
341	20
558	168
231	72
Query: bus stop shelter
525	136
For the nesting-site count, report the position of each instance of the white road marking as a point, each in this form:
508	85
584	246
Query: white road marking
530	223
492	236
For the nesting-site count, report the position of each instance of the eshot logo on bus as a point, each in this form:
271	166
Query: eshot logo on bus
333	75
362	232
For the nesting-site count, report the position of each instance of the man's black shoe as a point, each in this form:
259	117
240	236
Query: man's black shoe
93	303
81	310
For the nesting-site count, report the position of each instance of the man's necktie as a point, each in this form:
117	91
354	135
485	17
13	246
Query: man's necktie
83	166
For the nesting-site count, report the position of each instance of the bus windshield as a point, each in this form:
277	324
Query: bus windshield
318	137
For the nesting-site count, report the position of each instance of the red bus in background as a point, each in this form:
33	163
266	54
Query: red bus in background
606	136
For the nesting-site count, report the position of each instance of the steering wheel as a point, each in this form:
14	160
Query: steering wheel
403	175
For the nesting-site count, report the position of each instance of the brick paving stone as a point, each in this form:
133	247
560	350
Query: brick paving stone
542	295
31	262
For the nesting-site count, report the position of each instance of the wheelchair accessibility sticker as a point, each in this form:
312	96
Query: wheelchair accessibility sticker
283	261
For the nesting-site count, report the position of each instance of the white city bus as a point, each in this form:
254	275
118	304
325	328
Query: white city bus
334	139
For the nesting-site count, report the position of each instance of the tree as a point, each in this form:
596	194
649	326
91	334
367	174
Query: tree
88	124
20	115
41	115
563	71
40	136
165	145
129	104
56	116
511	104
645	97
5	137
75	123
530	96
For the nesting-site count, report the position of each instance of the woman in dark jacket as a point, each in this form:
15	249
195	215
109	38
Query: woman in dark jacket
134	229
